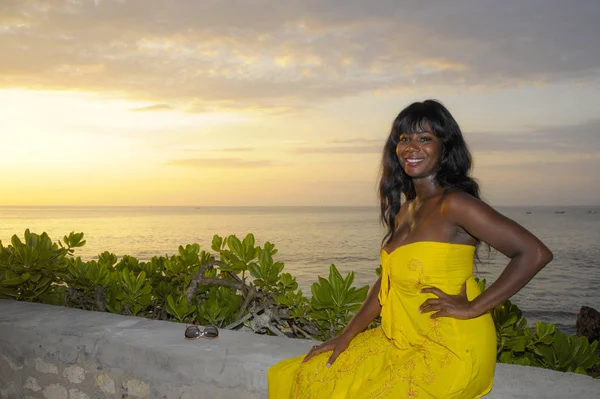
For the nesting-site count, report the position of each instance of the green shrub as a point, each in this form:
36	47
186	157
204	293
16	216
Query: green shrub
543	346
239	285
334	302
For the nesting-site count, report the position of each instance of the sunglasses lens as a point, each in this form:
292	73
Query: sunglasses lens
211	332
192	332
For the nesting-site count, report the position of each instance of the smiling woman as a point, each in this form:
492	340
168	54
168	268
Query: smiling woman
437	338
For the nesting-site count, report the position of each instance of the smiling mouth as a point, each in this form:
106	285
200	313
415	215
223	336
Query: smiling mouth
413	161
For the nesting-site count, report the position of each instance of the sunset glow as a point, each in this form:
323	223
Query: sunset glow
288	103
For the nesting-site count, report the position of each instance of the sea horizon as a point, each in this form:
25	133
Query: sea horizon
276	206
311	238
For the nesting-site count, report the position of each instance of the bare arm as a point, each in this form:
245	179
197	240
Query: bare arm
528	255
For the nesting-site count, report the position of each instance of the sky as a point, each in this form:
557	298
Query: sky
264	103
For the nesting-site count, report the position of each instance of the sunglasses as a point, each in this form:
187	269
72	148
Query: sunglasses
194	332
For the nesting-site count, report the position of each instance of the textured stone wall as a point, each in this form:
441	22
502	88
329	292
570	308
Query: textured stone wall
53	352
54	379
50	352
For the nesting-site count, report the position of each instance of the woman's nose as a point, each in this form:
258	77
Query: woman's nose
412	146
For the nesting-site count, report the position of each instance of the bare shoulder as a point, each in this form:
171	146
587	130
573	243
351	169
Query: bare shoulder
471	213
458	205
483	222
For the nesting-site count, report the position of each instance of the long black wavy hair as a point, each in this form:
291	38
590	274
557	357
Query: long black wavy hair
455	162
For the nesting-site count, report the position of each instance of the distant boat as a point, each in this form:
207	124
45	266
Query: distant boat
591	211
559	211
529	213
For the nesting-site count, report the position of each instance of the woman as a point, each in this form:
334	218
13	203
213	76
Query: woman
437	338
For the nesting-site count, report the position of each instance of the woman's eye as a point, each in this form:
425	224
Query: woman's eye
425	138
403	140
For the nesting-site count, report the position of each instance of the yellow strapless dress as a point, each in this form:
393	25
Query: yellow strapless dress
411	355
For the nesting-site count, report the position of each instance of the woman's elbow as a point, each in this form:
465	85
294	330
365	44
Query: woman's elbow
544	256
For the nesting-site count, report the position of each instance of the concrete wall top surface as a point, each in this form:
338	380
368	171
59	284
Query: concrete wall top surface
156	351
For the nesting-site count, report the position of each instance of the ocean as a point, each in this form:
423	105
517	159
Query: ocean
310	239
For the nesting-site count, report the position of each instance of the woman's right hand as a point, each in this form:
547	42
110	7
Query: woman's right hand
337	345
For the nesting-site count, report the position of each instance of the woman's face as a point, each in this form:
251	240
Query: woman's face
419	153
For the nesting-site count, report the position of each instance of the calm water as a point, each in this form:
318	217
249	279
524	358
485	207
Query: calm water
310	239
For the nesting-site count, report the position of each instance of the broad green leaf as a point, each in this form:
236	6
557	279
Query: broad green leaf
517	344
358	295
15	281
236	246
255	271
217	243
265	258
546	353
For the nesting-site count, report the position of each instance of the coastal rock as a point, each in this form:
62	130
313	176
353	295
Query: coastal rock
588	323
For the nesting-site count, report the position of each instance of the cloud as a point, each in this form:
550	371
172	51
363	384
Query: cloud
217	163
358	141
355	149
529	161
287	54
265	107
156	107
577	138
340	146
547	182
539	144
225	149
234	149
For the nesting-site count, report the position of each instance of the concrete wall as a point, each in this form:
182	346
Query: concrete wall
59	353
